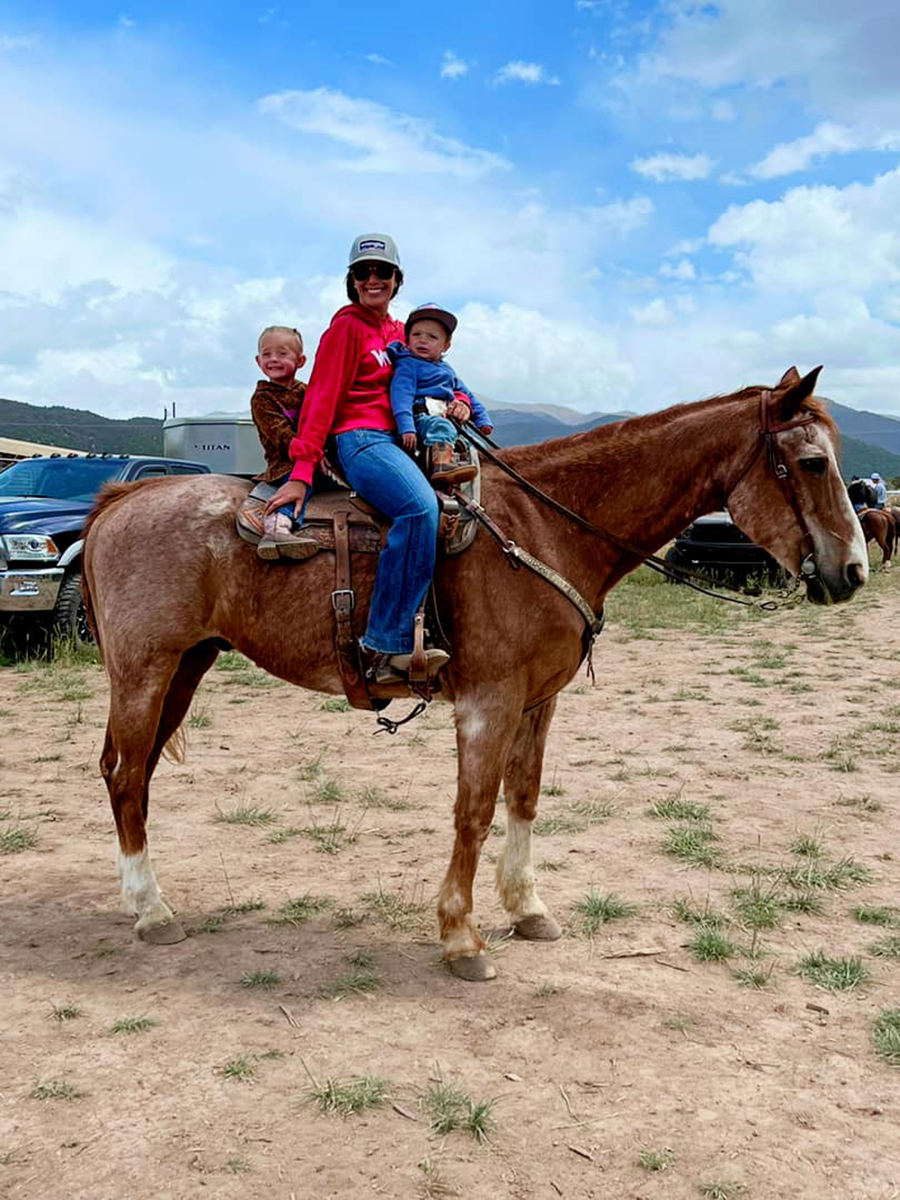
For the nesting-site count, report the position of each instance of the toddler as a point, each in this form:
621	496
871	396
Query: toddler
421	374
275	407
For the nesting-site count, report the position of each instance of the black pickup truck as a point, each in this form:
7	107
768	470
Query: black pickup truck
44	503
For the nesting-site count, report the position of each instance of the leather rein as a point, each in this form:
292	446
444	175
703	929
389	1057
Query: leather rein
768	432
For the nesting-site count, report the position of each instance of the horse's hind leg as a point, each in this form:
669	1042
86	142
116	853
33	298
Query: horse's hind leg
141	721
521	788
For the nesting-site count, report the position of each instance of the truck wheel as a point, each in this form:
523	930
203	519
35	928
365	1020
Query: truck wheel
69	616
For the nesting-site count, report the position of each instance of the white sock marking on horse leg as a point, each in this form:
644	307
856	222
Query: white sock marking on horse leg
515	872
140	891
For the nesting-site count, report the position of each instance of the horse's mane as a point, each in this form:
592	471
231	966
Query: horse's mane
632	429
112	493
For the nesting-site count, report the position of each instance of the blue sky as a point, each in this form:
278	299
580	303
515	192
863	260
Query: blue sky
628	204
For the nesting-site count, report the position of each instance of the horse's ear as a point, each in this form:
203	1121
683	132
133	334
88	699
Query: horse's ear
791	375
796	396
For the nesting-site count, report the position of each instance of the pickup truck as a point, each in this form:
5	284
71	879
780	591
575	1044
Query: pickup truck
44	503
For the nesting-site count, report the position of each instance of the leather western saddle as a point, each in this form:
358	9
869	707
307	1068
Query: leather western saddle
344	524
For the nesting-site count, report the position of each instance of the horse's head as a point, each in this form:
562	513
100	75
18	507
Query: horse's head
791	498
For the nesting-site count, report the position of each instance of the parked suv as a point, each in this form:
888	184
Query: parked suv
714	546
44	503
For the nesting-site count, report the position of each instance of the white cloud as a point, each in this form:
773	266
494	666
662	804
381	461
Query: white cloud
382	141
825	140
666	167
655	313
537	357
378	59
723	110
683	270
525	72
817	238
8	43
453	67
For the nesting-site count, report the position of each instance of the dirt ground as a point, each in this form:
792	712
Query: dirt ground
621	1065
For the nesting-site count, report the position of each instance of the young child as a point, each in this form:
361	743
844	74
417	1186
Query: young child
421	374
275	407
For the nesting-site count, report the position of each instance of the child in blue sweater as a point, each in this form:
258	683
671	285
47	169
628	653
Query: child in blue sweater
420	374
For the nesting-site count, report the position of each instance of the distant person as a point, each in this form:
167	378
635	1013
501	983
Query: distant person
275	408
861	493
880	490
420	374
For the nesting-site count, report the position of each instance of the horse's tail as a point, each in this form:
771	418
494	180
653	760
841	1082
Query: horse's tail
175	748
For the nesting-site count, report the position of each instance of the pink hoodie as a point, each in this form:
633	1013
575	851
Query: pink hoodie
350	384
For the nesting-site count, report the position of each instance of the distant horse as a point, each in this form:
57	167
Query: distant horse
168	582
880	525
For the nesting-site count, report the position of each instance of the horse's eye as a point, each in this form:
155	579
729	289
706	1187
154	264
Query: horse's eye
815	466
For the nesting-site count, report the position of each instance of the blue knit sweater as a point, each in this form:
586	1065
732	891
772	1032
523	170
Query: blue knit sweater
415	378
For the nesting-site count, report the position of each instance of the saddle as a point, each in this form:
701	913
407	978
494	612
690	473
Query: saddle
344	524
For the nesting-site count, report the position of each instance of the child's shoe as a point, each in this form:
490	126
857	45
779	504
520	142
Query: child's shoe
447	468
280	540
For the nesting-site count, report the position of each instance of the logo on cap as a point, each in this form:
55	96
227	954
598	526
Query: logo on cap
372	244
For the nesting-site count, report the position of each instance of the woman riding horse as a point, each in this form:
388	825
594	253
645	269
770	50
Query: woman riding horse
349	397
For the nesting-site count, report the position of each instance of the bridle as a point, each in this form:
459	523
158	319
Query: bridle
779	467
768	431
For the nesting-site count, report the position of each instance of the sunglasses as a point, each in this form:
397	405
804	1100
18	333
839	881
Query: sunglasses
362	270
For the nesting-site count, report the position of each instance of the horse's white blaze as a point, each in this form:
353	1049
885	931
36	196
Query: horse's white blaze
515	872
140	891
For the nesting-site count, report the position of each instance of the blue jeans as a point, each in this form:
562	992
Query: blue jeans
377	467
433	429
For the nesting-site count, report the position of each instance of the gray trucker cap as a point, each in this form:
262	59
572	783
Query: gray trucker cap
374	247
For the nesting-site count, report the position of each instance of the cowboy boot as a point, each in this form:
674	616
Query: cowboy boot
447	469
394	668
280	540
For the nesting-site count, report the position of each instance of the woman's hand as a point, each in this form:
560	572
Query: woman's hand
292	492
409	442
459	410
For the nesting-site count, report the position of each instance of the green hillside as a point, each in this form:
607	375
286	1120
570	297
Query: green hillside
80	429
84	430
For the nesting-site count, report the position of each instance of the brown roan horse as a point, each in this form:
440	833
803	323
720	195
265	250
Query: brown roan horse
880	525
168	582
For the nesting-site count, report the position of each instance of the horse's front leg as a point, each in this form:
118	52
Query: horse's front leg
484	733
521	788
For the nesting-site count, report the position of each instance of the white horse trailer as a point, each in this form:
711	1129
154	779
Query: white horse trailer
226	442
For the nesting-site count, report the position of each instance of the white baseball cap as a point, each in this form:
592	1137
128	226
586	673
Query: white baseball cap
374	247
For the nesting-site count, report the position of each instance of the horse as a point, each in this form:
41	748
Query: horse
880	525
168	584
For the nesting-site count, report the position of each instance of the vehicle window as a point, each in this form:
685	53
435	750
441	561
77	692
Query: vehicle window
184	470
147	472
58	479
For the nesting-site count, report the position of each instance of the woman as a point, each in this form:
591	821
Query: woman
349	396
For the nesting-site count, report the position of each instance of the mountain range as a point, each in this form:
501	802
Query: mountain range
869	442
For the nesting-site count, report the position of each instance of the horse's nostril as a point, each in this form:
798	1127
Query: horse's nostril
855	576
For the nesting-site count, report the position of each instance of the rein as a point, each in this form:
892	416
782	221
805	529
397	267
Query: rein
774	457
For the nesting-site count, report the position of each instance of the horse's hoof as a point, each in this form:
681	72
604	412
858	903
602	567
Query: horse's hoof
166	934
474	968
540	927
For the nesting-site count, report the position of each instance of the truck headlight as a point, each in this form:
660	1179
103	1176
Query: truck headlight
35	547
